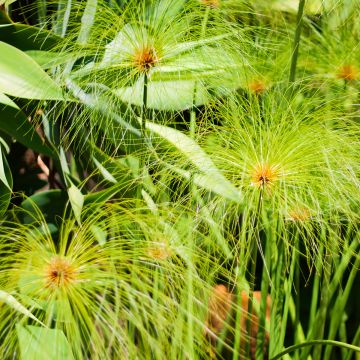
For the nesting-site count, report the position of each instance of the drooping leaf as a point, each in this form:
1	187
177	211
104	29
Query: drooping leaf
7	101
311	7
164	95
26	37
48	59
208	174
21	76
87	21
16	305
7	2
76	200
14	123
40	343
5	183
99	234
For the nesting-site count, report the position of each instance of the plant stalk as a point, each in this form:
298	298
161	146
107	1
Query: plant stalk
144	104
256	244
294	58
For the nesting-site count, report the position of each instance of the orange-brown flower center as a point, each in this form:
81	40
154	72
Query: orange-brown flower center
347	72
257	87
159	251
145	58
264	175
211	3
60	272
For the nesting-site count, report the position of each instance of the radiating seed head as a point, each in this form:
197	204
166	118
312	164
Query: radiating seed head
60	273
159	251
211	3
257	87
145	58
264	175
347	72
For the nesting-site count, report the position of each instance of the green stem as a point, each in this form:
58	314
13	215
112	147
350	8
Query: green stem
265	281
330	290
324	304
288	290
278	272
356	340
256	244
315	342
144	104
339	308
297	37
297	304
316	286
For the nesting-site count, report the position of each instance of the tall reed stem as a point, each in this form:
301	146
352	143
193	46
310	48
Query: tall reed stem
252	279
299	22
144	104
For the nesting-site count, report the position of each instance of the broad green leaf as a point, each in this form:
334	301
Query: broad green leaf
99	234
4	18
22	77
76	200
40	343
26	37
48	59
7	101
87	21
165	95
311	7
5	183
149	202
4	171
104	172
209	176
191	45
16	305
14	123
208	182
6	2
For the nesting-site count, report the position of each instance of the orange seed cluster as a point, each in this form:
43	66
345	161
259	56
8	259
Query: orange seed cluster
60	273
145	58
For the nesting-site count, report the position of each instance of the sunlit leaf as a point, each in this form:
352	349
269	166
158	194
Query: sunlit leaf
209	175
22	77
39	343
16	305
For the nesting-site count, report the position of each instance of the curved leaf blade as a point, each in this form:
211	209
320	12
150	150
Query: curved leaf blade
39	343
22	77
14	123
209	175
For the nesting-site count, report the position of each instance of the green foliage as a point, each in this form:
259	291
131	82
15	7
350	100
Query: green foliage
196	162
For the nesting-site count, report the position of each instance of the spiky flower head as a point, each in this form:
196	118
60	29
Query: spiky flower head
299	164
114	298
211	3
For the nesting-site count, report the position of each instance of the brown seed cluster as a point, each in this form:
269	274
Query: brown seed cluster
211	3
257	87
60	273
145	58
264	175
159	251
347	72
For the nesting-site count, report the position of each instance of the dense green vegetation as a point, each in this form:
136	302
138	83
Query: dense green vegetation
180	179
